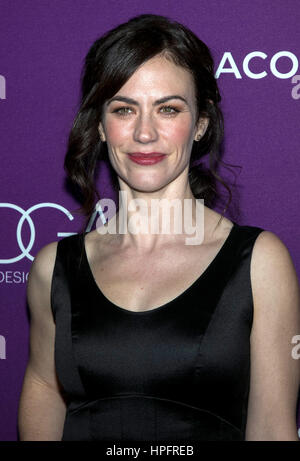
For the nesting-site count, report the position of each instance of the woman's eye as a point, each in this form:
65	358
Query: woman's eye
122	110
169	110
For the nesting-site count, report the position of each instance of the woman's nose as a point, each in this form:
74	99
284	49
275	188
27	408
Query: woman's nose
145	130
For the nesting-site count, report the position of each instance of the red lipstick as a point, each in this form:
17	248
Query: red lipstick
149	158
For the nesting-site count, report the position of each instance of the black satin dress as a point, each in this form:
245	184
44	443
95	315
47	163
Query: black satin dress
179	372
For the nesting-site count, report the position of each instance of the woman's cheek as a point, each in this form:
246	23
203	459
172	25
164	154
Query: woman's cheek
179	132
117	132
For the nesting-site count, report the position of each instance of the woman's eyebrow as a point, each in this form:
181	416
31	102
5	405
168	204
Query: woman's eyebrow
157	102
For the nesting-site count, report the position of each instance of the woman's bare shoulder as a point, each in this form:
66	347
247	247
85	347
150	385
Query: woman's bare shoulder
269	251
40	278
272	270
44	261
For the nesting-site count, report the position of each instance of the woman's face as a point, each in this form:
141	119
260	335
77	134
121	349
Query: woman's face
153	113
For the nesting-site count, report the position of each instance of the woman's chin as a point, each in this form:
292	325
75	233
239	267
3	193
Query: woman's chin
146	184
147	188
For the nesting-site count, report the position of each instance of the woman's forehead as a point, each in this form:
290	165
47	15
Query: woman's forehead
159	77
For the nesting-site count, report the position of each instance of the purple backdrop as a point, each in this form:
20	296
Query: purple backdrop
43	44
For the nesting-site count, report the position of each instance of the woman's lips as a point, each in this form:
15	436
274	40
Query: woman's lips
146	159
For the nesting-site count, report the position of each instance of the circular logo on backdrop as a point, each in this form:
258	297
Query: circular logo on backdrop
25	215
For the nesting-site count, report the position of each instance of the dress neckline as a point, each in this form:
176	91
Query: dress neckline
173	300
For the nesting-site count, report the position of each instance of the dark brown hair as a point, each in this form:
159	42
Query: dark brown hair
110	62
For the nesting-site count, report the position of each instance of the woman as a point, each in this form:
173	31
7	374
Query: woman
156	339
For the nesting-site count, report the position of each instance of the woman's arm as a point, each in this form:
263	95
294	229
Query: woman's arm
275	374
41	407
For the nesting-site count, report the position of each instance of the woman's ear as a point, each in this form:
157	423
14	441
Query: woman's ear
201	128
101	132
